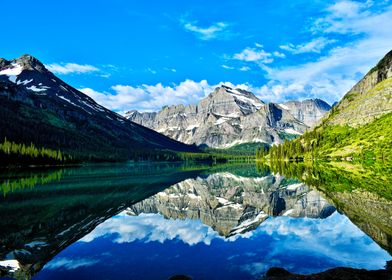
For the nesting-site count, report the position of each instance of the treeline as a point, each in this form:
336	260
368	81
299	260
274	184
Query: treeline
12	153
262	152
214	157
244	149
310	145
30	182
372	176
371	141
15	154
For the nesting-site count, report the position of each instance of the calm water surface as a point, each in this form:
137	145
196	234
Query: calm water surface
154	221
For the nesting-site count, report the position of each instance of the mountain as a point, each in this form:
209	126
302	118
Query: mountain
233	204
359	126
38	107
308	111
369	99
228	116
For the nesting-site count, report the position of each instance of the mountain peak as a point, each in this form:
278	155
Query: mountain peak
220	89
233	90
25	62
383	68
29	62
131	113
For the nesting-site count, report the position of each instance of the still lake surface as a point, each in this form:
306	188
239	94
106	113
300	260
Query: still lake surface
154	221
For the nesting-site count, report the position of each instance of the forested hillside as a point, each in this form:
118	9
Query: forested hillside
359	127
39	108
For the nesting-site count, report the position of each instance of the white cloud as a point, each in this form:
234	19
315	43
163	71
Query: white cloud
333	74
214	31
154	97
254	55
244	68
259	45
69	264
227	67
153	227
276	92
348	9
152	71
352	17
316	45
150	97
69	68
279	54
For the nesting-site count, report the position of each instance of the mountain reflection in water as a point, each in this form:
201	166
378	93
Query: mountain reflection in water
111	223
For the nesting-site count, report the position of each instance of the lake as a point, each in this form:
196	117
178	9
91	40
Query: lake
155	221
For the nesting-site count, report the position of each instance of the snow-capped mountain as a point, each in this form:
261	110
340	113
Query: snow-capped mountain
28	74
37	107
228	116
233	204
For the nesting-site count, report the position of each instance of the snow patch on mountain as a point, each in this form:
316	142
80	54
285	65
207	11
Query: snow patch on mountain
238	95
25	82
284	106
292	131
38	89
12	72
11	265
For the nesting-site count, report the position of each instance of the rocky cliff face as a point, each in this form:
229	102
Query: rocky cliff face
307	111
370	98
232	204
231	116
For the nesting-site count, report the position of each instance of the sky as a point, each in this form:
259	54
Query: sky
146	54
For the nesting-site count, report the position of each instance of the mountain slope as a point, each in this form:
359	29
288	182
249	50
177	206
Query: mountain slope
38	107
359	126
227	117
369	99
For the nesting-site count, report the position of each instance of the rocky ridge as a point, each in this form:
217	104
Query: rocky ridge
369	99
233	204
229	116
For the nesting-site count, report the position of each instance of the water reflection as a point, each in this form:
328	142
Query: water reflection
155	221
234	204
362	191
39	221
150	246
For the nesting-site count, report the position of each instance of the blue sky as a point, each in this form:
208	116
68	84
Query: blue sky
146	54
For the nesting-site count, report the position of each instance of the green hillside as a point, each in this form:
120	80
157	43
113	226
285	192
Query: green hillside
359	127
